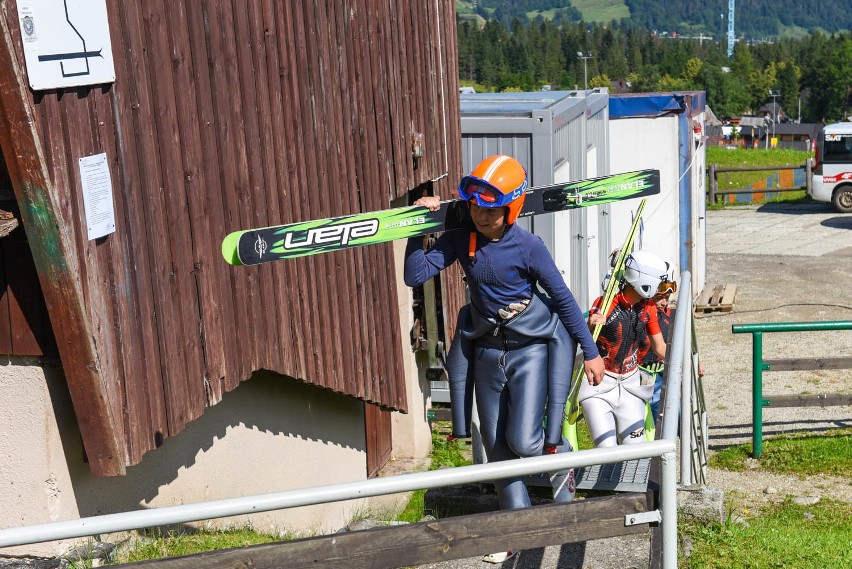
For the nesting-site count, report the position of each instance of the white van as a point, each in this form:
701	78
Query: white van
833	166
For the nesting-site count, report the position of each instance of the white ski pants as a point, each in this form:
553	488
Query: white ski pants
615	408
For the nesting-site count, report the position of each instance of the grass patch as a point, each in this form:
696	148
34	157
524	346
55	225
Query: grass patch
448	453
602	10
742	158
827	454
784	535
414	510
158	545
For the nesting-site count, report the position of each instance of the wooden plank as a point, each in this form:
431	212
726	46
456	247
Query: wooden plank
263	55
436	541
729	295
152	228
204	333
315	309
805	400
112	254
271	28
254	190
338	323
297	277
717	295
221	63
371	123
238	184
222	371
353	75
145	421
704	298
302	294
807	364
57	266
167	206
344	175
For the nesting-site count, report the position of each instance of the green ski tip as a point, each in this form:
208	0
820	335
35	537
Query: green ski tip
229	248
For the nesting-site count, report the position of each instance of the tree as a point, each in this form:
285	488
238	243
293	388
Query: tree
726	94
788	84
600	81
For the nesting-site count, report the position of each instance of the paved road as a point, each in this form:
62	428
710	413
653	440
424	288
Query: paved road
782	229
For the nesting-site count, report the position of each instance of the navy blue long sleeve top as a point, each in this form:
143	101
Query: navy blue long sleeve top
501	272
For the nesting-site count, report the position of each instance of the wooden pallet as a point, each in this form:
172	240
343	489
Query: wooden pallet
716	298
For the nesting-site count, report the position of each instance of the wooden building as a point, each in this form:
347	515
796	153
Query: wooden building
223	115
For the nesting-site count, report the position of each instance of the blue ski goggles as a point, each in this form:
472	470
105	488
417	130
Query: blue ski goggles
486	195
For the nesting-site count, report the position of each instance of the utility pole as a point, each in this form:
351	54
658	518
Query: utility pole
774	95
585	57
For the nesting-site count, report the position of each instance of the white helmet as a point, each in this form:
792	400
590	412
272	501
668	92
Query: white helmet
645	271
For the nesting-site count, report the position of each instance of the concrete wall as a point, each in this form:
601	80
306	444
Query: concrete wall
270	434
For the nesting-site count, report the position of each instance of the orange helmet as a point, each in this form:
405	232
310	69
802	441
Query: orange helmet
498	181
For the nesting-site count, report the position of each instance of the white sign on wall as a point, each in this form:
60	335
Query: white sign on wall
66	43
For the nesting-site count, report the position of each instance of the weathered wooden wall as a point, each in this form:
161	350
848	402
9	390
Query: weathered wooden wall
227	115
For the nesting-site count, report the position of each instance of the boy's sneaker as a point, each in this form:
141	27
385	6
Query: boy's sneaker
499	557
563	482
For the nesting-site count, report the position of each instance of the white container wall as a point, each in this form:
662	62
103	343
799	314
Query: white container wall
558	136
659	131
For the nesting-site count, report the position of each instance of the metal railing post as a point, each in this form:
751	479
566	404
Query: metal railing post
809	176
757	394
668	509
713	183
686	414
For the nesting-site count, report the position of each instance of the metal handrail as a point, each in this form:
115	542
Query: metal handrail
344	491
758	365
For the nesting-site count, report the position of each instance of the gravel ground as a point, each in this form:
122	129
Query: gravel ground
792	263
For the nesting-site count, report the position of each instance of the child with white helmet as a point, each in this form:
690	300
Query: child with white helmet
615	408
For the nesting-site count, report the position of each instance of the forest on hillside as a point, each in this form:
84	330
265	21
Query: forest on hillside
753	18
813	73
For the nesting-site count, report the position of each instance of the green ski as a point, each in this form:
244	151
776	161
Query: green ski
572	407
255	246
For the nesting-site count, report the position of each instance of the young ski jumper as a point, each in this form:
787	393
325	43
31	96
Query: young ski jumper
615	408
511	327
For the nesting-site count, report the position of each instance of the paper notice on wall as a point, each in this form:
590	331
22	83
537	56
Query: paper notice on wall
97	195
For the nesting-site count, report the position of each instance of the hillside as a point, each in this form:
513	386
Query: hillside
754	19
